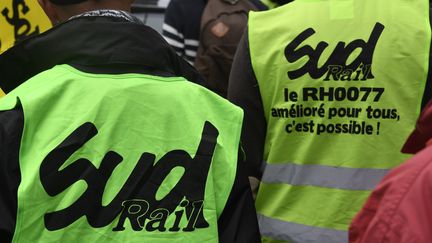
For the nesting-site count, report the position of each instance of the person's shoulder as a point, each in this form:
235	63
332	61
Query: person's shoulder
406	175
421	165
413	177
273	14
411	196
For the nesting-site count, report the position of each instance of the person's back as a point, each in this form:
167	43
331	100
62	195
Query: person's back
341	85
106	140
222	26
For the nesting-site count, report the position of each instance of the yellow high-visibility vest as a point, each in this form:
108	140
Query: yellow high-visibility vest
341	84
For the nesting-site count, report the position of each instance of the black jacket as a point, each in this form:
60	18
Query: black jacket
107	45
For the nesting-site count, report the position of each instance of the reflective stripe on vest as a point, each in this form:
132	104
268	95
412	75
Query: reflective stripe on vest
112	158
324	176
293	232
341	84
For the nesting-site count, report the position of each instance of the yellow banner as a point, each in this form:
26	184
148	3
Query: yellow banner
20	19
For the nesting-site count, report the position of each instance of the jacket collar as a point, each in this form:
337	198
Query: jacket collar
92	42
109	13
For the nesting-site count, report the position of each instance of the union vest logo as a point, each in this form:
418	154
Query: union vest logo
336	67
136	201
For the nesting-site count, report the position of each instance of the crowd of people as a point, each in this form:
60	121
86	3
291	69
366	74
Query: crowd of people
243	122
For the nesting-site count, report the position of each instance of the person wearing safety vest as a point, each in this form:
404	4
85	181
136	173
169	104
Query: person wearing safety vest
107	136
330	90
20	20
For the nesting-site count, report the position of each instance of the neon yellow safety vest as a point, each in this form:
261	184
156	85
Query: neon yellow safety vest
122	158
20	19
341	84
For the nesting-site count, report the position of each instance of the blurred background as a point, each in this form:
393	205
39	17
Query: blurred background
151	12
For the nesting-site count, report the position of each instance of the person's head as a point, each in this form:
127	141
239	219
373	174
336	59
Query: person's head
61	10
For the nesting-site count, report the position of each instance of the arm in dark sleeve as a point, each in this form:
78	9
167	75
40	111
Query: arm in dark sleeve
243	91
238	222
11	126
173	27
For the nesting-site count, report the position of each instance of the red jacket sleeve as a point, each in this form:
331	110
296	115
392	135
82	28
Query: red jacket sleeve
400	208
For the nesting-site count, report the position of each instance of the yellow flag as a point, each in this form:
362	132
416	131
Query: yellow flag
20	19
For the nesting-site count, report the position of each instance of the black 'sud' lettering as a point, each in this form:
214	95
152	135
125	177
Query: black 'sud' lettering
336	67
136	200
21	26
